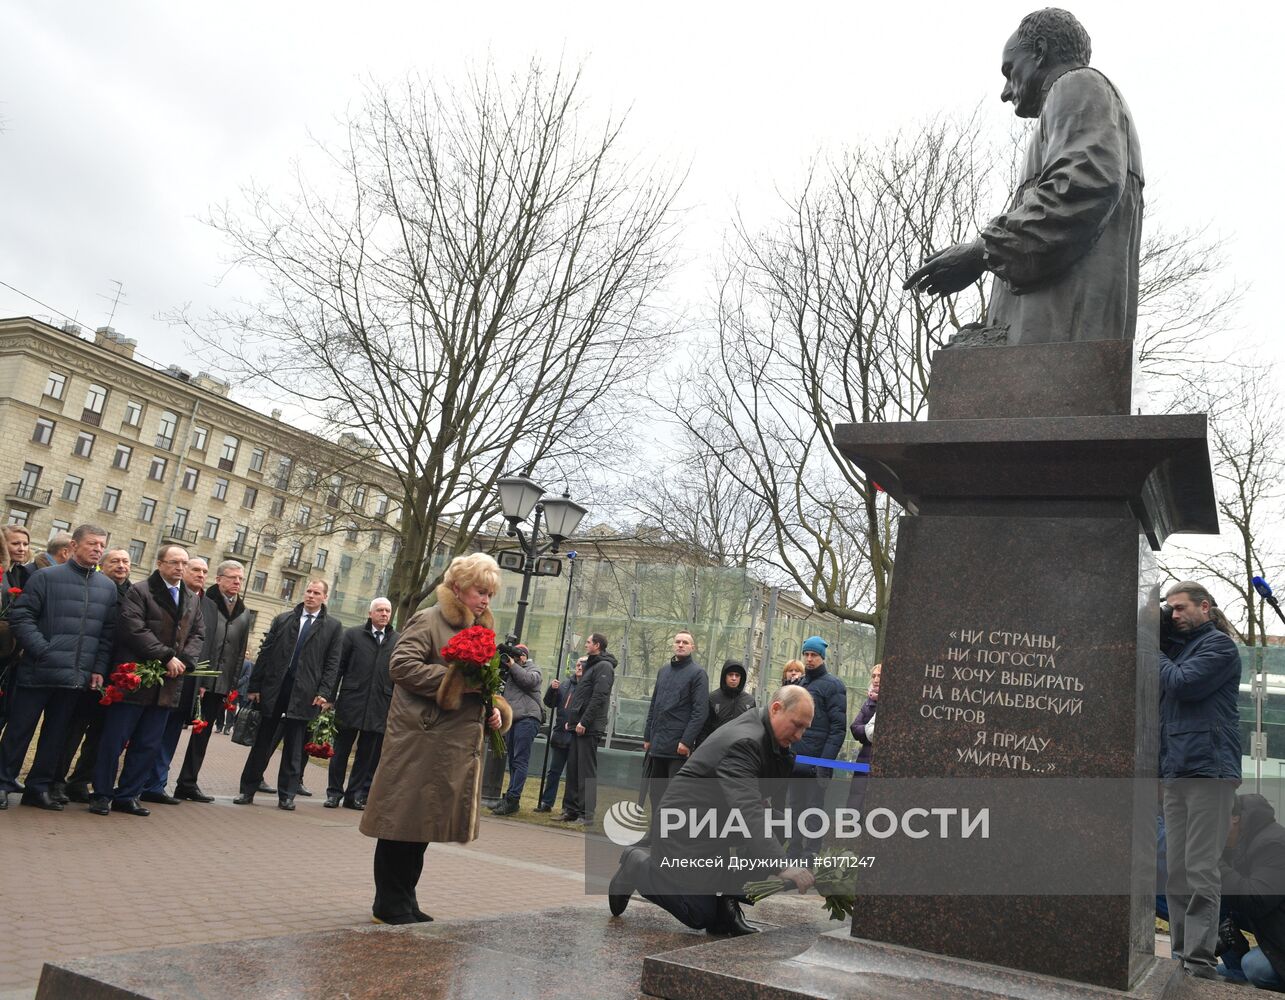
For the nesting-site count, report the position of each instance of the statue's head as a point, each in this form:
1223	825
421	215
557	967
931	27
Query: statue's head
1046	41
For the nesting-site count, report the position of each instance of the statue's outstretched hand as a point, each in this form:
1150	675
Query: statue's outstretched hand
949	270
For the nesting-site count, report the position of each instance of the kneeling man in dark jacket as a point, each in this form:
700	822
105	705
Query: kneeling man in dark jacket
730	776
1253	884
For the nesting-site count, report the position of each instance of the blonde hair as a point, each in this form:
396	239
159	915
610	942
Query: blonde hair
478	570
792	665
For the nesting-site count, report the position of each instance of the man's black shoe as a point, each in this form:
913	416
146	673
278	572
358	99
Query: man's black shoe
4	800
505	807
41	800
58	792
420	916
78	793
625	880
730	919
332	801
542	808
244	799
360	806
287	803
130	806
263	787
568	818
193	794
163	798
304	792
100	807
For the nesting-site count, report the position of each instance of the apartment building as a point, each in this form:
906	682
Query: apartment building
93	434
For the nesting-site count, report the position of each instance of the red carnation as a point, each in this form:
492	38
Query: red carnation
15	591
199	726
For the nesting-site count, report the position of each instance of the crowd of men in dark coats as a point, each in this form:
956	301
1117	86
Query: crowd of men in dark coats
70	632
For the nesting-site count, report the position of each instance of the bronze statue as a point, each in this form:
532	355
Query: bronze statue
1065	252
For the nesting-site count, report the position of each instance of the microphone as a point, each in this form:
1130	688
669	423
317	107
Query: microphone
1264	590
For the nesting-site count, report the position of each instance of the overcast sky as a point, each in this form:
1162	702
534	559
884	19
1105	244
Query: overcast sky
125	121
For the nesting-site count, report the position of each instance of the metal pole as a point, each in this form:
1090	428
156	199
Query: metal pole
531	549
557	673
767	641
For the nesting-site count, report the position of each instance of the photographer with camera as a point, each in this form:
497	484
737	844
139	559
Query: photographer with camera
1199	765
521	690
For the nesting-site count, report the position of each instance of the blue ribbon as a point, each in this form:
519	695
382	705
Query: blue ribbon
838	765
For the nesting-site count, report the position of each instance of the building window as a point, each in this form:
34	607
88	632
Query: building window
250	499
200	437
269	542
133	414
350	533
260	582
180	517
240	537
165	432
296	555
84	445
257	457
29	479
311	477
71	488
319	560
278	506
111	499
287	588
359	497
375	539
190	476
18	517
136	549
284	468
227	454
368	573
345	565
55	385
332	492
58	526
381	505
328	524
305	514
157	469
121	459
146	509
44	432
220	489
95	400
396	546
212	528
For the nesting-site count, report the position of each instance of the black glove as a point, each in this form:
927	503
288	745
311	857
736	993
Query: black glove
1230	939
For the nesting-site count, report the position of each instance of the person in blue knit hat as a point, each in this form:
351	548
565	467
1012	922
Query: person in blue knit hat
823	739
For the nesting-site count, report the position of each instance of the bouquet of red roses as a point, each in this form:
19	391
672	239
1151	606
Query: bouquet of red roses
130	677
473	663
323	730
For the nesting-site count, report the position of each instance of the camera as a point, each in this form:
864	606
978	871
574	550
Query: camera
1167	630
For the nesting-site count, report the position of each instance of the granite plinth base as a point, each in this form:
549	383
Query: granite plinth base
794	964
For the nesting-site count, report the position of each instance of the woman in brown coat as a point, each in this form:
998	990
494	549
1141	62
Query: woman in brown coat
429	781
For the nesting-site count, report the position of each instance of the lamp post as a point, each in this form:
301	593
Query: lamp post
535	556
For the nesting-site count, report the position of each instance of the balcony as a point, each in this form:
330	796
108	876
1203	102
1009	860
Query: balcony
178	535
25	495
238	550
296	567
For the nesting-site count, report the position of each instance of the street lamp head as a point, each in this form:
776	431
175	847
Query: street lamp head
517	496
562	517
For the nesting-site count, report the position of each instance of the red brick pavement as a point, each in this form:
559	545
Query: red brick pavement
73	884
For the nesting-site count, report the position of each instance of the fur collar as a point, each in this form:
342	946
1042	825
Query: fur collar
456	614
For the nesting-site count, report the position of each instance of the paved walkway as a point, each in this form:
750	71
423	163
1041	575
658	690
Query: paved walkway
73	884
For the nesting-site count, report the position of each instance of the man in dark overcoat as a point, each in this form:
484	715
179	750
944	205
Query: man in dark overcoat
294	678
361	709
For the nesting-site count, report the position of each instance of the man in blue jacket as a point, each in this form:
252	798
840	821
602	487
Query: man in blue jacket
823	739
65	620
676	716
1199	765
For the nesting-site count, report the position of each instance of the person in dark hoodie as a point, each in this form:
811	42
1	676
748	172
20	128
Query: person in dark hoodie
1253	889
1199	766
823	739
558	697
729	699
676	716
588	720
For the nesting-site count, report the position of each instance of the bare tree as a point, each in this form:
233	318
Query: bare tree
469	289
1248	449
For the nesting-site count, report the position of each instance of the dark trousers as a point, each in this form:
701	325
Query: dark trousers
84	733
806	791
363	766
518	741
398	866
291	733
29	703
659	770
197	743
582	777
160	773
143	728
557	761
